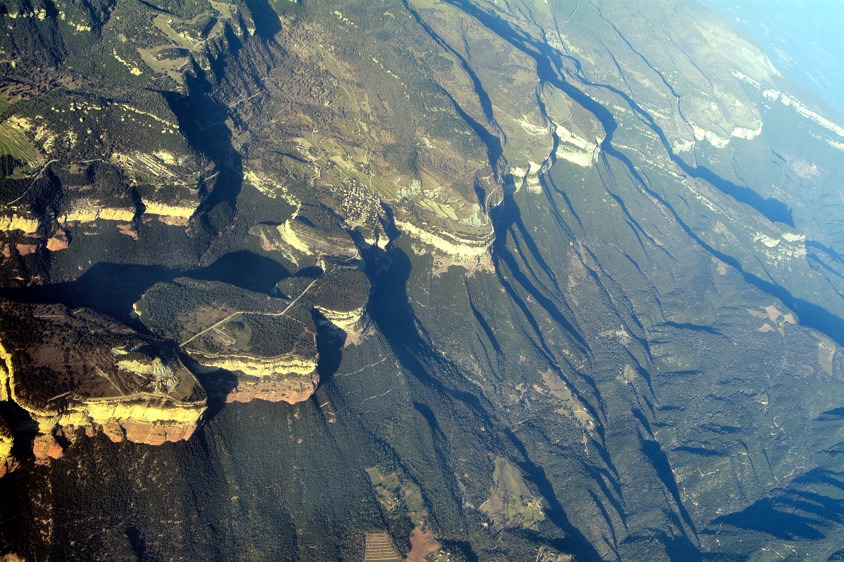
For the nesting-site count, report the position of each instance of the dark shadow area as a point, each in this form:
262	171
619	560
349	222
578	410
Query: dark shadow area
266	19
831	415
817	505
639	415
836	556
548	181
795	514
137	542
311	271
442	447
217	383
482	321
769	516
492	143
108	288
818	264
12	189
826	260
483	97
722	429
391	312
810	314
813	245
504	217
8	164
699	451
574	542
692	327
463	547
443	386
243	269
43	195
607	519
659	460
112	288
156	8
821	476
24	429
430	419
679	547
481	195
389	225
330	341
201	119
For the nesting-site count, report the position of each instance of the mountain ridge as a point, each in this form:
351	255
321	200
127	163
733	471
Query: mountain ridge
558	279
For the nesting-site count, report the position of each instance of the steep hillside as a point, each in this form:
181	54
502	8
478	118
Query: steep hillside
511	280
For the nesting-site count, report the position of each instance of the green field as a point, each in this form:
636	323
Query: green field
407	494
15	144
511	504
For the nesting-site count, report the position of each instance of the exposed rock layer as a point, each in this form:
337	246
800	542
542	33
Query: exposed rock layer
269	343
79	370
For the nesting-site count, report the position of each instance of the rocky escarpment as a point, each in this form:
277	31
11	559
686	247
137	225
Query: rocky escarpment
7	461
77	370
313	231
268	343
343	298
339	296
84	170
613	370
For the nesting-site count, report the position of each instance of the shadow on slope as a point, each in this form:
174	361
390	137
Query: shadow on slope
112	288
393	315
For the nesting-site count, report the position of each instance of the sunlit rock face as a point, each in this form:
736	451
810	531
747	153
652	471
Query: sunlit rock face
73	370
342	297
7	461
313	231
268	343
524	280
17	222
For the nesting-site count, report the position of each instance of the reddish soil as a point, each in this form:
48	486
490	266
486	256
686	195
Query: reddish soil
26	249
46	447
421	544
58	242
128	229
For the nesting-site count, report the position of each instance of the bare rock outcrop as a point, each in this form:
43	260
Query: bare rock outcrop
268	343
342	298
73	370
7	461
313	231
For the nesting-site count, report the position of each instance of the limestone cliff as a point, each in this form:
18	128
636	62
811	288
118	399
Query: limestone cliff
342	298
268	343
76	370
7	460
15	221
312	232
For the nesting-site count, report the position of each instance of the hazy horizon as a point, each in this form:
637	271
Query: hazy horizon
802	38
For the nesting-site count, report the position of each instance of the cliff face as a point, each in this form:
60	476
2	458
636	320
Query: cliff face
585	259
342	297
7	461
312	233
268	343
72	370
